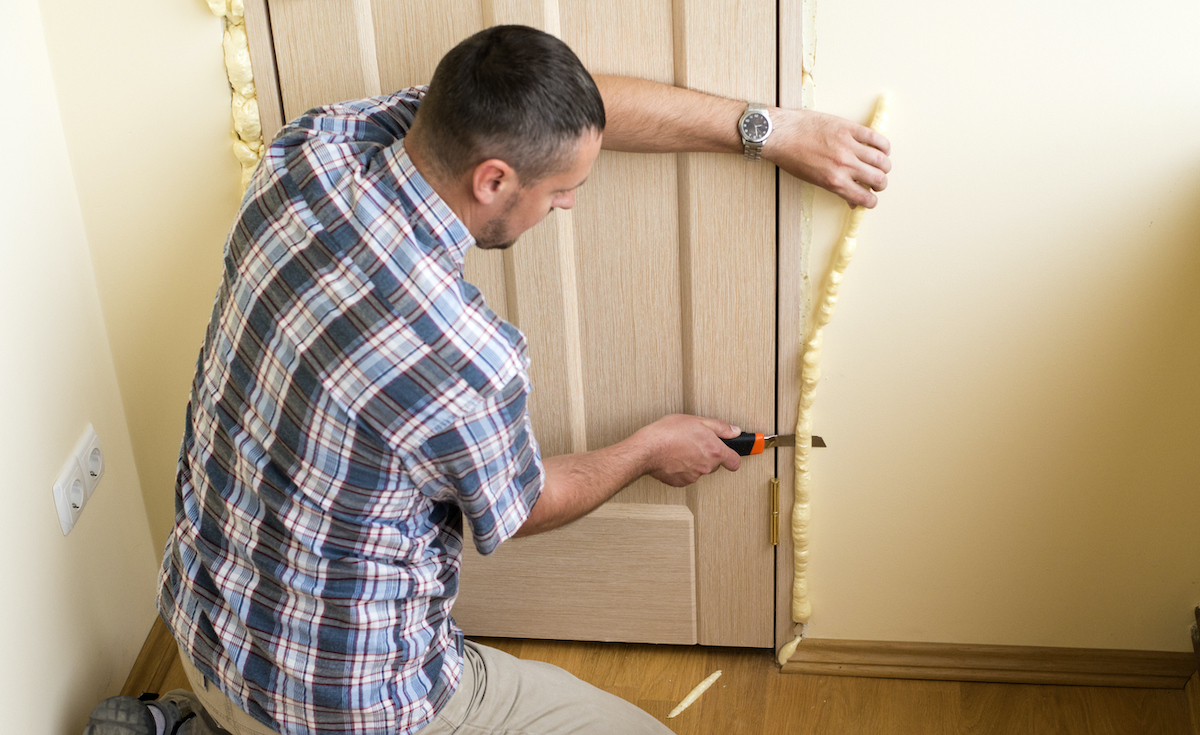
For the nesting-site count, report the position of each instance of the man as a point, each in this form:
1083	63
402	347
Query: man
356	401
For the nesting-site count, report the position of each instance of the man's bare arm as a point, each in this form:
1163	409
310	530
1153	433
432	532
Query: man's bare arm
849	159
676	449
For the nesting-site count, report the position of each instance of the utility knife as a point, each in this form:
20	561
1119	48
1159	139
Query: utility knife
749	442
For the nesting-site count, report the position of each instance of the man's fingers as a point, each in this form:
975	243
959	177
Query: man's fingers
858	187
867	136
871	178
721	428
875	158
857	195
727	457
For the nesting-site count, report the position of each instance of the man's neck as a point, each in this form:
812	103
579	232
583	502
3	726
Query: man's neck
452	193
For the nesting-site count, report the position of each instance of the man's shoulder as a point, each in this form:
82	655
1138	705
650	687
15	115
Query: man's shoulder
379	120
436	357
342	217
494	352
453	321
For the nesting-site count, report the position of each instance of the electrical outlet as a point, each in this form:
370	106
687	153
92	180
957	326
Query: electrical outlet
91	458
78	479
70	494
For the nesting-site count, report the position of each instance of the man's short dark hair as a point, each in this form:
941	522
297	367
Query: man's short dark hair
512	93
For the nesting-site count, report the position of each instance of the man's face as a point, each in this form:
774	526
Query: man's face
528	206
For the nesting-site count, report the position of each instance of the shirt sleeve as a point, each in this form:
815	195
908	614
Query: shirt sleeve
488	463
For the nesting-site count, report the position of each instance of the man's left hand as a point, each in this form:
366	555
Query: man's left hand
844	157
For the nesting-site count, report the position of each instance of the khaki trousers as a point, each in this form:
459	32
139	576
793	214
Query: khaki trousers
225	714
499	693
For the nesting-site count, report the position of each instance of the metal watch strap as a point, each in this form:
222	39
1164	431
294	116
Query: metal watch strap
750	149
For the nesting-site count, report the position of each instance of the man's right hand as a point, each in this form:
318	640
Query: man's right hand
683	448
676	449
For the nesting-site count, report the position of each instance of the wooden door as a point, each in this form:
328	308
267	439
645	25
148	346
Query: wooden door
656	294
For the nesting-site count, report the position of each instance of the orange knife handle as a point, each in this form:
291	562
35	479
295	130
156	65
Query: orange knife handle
747	443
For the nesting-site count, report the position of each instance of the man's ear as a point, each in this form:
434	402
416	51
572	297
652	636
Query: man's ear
492	180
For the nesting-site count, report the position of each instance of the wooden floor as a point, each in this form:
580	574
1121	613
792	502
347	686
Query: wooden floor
753	697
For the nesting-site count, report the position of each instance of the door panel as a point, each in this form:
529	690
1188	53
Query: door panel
408	58
645	549
729	371
656	294
629	295
317	53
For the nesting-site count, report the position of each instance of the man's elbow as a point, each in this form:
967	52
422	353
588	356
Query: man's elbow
541	517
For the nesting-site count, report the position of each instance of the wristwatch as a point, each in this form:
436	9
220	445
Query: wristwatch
755	126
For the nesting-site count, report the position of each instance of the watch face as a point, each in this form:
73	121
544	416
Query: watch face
755	127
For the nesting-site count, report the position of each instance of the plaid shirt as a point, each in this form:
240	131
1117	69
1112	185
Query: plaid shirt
354	399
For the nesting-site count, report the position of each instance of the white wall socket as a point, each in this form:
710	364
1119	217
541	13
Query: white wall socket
78	479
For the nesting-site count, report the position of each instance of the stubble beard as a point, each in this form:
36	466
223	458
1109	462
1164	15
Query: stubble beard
495	235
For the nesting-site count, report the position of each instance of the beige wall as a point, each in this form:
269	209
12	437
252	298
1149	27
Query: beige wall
145	107
1012	390
1011	395
77	608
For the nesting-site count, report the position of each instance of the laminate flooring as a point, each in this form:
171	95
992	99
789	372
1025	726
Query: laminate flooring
752	696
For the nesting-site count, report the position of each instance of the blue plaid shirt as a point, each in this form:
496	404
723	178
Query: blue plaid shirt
355	398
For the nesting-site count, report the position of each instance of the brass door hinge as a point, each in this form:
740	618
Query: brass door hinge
774	511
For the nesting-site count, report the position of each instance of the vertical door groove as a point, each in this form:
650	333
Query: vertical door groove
368	58
262	58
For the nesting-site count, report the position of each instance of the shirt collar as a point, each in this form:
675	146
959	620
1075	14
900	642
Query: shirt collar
429	211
